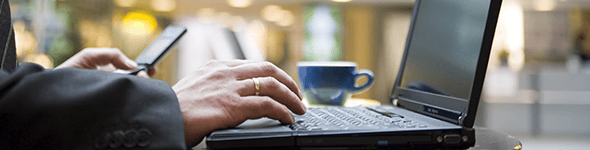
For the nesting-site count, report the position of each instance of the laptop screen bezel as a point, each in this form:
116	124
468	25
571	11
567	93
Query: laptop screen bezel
419	101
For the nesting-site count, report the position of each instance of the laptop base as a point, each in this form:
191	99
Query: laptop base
427	139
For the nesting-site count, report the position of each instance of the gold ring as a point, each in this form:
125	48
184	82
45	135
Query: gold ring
257	86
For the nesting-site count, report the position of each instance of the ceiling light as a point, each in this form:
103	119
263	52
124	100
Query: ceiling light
545	5
287	19
272	13
239	3
139	23
163	5
125	3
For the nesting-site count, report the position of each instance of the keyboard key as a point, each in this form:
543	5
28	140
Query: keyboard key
314	128
334	118
397	119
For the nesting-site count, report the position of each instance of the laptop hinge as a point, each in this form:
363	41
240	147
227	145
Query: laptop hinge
462	117
394	101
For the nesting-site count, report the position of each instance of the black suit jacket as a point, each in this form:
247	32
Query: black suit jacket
86	109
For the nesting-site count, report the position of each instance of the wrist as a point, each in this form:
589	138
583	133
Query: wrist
197	122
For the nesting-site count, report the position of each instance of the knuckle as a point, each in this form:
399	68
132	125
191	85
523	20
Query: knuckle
221	73
88	50
117	51
266	103
110	50
225	72
214	62
272	83
268	67
110	53
234	101
211	62
293	83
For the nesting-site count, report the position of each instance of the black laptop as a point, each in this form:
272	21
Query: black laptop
435	96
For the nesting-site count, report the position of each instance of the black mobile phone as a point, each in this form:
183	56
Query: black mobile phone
158	49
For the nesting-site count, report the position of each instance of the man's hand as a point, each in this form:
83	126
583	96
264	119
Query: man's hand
222	94
105	59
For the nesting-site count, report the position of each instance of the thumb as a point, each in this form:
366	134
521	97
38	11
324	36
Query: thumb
120	61
143	74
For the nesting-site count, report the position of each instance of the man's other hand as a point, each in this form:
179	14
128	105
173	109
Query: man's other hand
105	59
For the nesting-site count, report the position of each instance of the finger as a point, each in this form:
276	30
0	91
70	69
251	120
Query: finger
110	56
265	69
108	68
255	107
269	86
143	74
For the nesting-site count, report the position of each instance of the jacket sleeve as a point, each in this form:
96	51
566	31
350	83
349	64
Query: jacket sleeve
86	109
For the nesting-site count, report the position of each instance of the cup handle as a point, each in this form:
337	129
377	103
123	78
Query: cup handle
368	74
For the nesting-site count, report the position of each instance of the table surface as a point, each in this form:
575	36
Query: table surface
490	139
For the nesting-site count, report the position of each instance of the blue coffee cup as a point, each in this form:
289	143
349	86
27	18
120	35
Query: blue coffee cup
331	83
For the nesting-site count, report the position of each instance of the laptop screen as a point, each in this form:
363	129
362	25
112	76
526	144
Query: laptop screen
443	53
445	46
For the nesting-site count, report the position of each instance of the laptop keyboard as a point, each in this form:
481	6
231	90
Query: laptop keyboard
340	118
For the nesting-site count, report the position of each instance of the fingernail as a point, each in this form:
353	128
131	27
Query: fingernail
304	108
292	118
300	94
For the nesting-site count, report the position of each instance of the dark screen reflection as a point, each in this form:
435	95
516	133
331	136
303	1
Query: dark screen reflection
445	46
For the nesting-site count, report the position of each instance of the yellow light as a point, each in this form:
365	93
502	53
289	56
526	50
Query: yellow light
19	26
139	23
40	59
239	3
125	3
515	36
25	42
206	15
287	19
545	5
510	36
272	13
163	5
342	1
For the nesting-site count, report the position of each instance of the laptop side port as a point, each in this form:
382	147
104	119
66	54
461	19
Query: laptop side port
452	139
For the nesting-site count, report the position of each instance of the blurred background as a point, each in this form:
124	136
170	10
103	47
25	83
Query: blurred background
537	87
